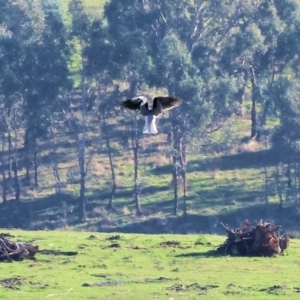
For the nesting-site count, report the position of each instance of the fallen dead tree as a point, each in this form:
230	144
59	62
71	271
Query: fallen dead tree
262	240
10	250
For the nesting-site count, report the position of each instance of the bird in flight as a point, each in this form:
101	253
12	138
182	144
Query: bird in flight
150	109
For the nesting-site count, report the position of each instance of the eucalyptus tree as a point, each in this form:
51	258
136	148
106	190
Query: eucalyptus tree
103	57
14	26
173	45
44	75
261	47
286	138
107	111
33	69
85	34
34	57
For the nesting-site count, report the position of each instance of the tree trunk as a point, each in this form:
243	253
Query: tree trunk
135	147
54	162
112	169
254	102
16	179
175	183
135	144
35	162
4	188
57	179
279	187
183	164
15	163
82	200
4	183
240	95
266	106
27	149
81	158
10	155
263	118
176	162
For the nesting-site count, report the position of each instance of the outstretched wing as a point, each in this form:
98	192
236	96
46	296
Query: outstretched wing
168	103
133	104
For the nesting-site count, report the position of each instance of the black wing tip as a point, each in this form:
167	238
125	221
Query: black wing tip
175	101
130	104
123	103
170	98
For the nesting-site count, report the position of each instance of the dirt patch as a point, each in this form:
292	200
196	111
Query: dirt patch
99	275
170	244
114	245
113	237
120	281
137	247
58	252
237	290
193	286
92	237
12	283
273	289
33	265
38	285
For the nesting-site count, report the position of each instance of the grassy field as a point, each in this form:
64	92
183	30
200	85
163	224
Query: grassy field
141	267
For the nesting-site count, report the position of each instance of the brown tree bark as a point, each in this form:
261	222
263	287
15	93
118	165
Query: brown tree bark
254	102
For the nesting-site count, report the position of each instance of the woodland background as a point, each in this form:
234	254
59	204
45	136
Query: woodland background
70	158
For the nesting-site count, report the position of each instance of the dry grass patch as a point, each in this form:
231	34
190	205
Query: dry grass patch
126	211
157	160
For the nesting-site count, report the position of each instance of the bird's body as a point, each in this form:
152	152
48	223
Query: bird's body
151	109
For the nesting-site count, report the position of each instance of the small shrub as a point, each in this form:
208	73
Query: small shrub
202	241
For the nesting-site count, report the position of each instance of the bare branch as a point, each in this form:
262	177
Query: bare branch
215	129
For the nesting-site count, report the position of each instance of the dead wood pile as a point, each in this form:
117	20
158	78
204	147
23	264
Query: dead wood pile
10	250
262	240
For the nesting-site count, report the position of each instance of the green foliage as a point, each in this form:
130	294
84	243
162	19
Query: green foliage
200	51
202	240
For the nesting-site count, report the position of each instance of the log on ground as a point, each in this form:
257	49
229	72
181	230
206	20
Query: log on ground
263	239
10	251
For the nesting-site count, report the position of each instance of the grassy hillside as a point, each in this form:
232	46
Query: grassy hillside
140	267
226	182
93	7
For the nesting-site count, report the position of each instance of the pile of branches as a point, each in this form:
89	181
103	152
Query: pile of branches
10	251
262	240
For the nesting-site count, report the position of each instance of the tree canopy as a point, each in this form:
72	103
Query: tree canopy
211	54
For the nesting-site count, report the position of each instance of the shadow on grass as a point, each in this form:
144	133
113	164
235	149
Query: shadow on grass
245	160
48	213
209	253
207	224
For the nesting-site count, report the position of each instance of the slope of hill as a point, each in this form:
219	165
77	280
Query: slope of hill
228	179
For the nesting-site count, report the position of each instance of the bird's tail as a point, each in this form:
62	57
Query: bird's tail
150	125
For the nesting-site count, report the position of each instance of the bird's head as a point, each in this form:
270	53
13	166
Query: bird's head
145	100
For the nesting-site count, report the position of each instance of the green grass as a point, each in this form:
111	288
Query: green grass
186	272
93	7
222	184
